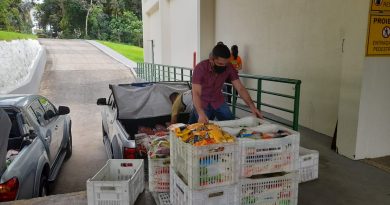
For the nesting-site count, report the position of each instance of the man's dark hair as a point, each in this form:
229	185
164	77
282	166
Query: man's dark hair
221	50
220	42
173	96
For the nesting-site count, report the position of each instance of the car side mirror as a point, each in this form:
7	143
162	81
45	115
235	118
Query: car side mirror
32	134
101	101
49	114
63	110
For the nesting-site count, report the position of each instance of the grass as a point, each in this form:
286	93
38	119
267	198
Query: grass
8	36
133	53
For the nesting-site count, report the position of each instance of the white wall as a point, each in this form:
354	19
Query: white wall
184	31
373	134
355	20
298	39
172	24
206	27
151	18
319	42
22	63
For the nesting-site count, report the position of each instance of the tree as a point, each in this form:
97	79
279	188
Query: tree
114	20
86	18
15	15
126	28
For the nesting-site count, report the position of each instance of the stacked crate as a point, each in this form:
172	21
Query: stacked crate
268	168
202	174
158	170
250	171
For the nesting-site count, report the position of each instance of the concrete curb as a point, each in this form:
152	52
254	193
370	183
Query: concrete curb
33	82
115	55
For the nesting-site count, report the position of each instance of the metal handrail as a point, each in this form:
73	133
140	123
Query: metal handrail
159	72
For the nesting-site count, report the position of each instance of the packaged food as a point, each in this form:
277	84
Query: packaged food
159	148
200	134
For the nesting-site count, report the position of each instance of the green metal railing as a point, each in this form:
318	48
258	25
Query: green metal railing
156	72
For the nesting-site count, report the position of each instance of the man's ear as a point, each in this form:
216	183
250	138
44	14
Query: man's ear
211	59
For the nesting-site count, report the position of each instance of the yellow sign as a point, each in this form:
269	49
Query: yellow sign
378	38
380	5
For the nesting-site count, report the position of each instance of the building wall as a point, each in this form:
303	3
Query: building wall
151	18
184	31
173	25
319	42
300	39
373	134
355	31
206	28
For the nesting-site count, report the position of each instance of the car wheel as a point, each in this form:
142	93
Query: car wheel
69	144
43	188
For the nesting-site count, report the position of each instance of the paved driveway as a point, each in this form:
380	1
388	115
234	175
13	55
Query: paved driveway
76	75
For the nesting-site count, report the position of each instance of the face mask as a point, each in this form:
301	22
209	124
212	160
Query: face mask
219	69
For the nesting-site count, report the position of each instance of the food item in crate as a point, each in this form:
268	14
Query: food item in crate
248	133
159	148
142	142
159	128
146	130
200	134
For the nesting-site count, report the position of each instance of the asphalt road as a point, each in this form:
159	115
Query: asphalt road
76	74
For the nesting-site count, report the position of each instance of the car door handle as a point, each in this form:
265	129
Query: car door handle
48	138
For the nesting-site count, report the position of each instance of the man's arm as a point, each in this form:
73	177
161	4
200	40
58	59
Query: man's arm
246	97
196	93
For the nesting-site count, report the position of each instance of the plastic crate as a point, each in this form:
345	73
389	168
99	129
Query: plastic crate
181	194
164	199
263	156
204	166
280	190
119	182
158	175
308	160
248	121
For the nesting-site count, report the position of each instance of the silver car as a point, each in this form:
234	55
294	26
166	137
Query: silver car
35	139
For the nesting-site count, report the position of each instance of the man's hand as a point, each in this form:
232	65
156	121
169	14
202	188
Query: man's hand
257	113
203	118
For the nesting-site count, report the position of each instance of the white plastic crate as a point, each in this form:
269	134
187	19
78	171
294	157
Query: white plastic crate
308	160
280	190
163	199
204	166
158	175
262	156
248	121
181	194
119	182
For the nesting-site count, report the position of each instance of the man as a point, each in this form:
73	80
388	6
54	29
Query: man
207	81
180	103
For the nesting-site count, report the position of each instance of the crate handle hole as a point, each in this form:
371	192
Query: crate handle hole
126	164
107	188
216	194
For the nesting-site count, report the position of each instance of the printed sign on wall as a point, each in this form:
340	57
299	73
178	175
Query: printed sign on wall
378	38
380	5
